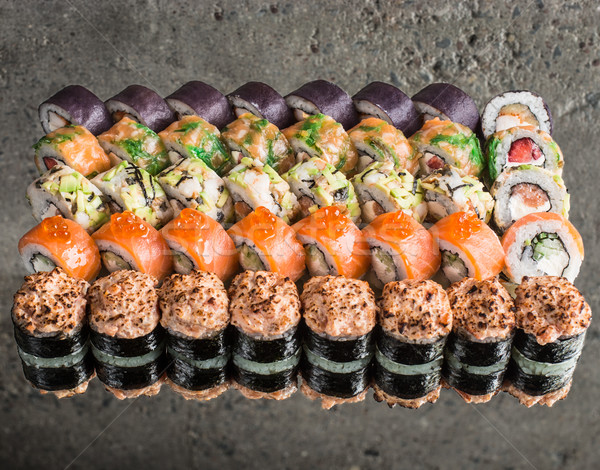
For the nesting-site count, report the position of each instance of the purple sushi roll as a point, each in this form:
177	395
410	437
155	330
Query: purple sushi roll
447	102
263	101
142	105
200	99
76	105
323	97
385	101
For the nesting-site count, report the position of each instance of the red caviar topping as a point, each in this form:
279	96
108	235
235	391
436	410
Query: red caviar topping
57	228
128	224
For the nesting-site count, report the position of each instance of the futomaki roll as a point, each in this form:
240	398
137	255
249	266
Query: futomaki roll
552	319
266	347
339	314
142	105
263	101
128	342
478	349
75	105
414	321
51	332
194	309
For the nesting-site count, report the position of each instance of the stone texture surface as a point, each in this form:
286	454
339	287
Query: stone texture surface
551	46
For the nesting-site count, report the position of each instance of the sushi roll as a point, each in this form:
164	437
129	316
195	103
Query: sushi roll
266	346
195	315
414	320
64	191
131	188
439	143
252	137
128	242
515	109
322	97
401	248
198	242
522	146
263	101
384	101
542	244
339	315
478	349
142	105
253	185
75	105
381	188
133	142
526	189
447	102
552	319
192	137
333	244
469	247
191	183
315	183
377	141
51	331
447	192
321	136
56	241
200	99
128	342
73	146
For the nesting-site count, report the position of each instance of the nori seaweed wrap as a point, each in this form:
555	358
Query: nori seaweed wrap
263	101
142	105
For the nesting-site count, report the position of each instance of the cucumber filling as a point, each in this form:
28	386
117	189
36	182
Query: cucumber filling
250	260
548	253
42	263
316	263
384	266
453	266
182	264
114	262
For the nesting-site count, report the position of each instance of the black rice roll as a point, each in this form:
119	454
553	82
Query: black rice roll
200	99
263	101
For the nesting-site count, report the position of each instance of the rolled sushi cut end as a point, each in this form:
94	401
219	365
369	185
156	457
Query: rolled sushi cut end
263	101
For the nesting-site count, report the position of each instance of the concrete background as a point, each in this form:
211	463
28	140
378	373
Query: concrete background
484	47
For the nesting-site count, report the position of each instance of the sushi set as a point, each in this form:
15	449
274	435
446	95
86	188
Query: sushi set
314	242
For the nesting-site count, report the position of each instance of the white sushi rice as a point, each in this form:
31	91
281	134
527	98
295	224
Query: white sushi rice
429	112
180	108
489	118
30	254
53	117
267	368
407	369
366	109
114	257
383	271
454	272
54	362
135	361
335	367
319	261
115	107
301	107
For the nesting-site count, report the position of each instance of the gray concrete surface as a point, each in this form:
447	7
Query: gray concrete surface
551	46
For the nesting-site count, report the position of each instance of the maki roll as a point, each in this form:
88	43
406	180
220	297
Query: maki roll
253	185
131	141
198	242
339	315
515	109
447	102
321	136
445	142
73	146
447	192
75	105
377	141
552	319
414	320
522	146
64	191
191	183
266	347
478	349
333	244
401	248
469	247
200	99
526	189
381	188
60	242
131	188
322	97
128	242
194	309
316	184
384	101
266	243
255	138
192	137
51	332
542	244
263	101
128	342
142	105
